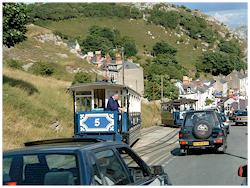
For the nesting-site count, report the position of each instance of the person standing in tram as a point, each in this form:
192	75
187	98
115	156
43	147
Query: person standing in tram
113	105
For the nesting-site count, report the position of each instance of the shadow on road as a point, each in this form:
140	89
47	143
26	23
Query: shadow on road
236	156
176	152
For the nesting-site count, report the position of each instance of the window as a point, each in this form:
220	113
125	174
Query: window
96	176
41	169
111	168
137	169
192	118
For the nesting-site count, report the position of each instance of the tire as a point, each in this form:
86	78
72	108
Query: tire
202	129
222	149
183	152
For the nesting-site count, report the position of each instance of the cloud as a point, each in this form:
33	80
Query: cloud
232	18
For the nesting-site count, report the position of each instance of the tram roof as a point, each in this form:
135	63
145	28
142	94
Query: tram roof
181	101
99	85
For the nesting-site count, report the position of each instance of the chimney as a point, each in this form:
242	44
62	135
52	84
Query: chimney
98	56
107	58
118	59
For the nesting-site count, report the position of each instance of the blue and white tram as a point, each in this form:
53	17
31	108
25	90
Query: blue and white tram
92	120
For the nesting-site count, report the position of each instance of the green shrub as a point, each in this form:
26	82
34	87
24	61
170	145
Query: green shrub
14	64
43	68
82	77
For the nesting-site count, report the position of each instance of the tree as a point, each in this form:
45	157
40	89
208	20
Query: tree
14	23
153	88
95	43
230	47
165	59
82	77
164	48
129	46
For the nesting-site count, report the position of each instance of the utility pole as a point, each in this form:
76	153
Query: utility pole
123	82
161	88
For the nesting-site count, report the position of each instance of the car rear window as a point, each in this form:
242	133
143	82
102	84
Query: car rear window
242	113
41	169
192	118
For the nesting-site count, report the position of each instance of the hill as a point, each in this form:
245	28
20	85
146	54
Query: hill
190	32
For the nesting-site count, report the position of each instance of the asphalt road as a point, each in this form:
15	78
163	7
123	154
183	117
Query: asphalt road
207	168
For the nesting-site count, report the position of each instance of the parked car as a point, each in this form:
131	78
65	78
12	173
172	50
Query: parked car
241	118
78	161
242	172
202	129
232	116
225	120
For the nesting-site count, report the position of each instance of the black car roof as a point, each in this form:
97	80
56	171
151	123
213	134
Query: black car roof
69	147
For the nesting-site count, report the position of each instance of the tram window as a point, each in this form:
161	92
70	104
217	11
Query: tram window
83	104
99	98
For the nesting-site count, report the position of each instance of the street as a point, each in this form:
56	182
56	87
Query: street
201	167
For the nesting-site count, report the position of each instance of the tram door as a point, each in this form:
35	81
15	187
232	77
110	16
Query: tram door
99	98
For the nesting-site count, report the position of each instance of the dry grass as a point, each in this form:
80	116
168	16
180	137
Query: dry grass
28	117
151	115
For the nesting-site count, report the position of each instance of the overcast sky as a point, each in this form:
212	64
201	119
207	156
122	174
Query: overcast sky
231	14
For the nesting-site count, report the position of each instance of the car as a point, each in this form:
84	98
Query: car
225	120
201	130
233	115
78	161
241	118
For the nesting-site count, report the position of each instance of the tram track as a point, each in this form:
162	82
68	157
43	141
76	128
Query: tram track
153	146
150	130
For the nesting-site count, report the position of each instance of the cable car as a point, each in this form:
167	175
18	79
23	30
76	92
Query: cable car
93	120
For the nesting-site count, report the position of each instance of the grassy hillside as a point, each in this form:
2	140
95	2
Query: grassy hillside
28	115
35	51
137	29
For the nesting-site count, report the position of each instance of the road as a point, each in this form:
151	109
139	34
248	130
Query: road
207	168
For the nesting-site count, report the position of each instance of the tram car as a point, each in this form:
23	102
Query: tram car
172	112
93	120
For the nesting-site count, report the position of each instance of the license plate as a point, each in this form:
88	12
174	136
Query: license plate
205	143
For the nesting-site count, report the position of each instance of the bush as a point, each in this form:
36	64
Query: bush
164	48
82	77
43	68
14	64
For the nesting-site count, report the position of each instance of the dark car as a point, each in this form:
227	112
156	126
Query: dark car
202	129
241	118
225	120
78	162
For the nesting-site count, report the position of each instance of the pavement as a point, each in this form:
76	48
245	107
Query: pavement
207	168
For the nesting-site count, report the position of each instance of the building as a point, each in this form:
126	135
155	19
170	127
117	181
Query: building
197	90
221	85
112	70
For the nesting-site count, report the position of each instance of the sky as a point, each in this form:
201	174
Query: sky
231	14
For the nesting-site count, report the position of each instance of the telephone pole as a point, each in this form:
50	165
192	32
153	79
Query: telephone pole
161	88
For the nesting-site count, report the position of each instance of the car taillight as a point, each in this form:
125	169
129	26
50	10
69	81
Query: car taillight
218	141
11	183
180	135
220	133
183	142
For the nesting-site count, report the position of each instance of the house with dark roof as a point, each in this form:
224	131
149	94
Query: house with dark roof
113	71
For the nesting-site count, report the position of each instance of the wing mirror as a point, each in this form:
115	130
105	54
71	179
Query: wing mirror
157	170
242	171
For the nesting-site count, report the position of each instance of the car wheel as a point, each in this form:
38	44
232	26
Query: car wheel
183	152
223	148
